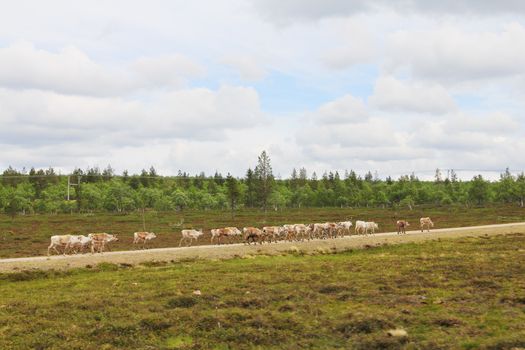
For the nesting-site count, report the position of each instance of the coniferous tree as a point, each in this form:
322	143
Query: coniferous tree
264	179
38	179
478	190
233	192
314	181
520	188
152	172
198	181
144	178
76	178
251	190
294	180
11	177
218	178
506	187
438	178
453	176
108	173
93	175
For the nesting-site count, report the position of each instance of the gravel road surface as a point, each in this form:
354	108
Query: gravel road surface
241	250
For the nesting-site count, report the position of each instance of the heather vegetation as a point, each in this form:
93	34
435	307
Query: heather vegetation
450	294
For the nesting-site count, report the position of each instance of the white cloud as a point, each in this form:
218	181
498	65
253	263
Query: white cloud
391	94
460	133
247	67
451	54
343	129
355	45
375	140
71	71
394	146
32	118
285	11
343	110
202	113
347	56
495	123
68	71
464	7
348	135
339	156
88	84
170	70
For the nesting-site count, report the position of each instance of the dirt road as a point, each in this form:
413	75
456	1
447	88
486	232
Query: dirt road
236	250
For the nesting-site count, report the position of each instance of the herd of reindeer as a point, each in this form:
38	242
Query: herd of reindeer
98	242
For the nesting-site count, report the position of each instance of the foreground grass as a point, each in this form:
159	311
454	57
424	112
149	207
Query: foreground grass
467	293
29	235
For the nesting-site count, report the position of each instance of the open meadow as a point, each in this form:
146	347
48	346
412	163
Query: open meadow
28	235
465	293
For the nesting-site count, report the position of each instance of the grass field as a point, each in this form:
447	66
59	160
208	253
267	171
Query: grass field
29	235
462	294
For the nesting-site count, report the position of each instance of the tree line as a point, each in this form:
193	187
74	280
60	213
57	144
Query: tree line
93	189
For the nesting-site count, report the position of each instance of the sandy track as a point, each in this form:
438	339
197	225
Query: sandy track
235	250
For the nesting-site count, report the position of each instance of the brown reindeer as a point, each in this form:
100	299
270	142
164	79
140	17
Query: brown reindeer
252	234
401	226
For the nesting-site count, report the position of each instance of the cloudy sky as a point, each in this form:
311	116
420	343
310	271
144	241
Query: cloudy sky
392	86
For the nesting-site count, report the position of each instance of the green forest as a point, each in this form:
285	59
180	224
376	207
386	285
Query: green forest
93	189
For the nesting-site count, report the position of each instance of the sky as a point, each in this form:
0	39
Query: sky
388	86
